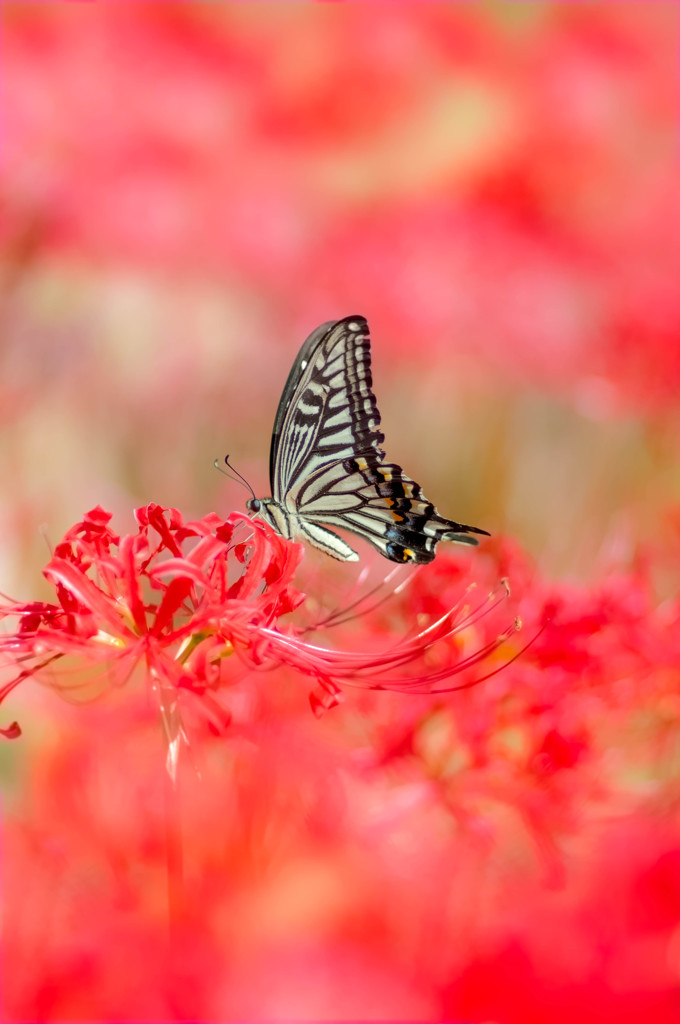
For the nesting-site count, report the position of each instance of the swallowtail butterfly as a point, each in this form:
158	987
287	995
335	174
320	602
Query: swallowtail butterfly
327	468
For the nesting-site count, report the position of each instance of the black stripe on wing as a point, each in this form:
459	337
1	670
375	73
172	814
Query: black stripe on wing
335	360
290	387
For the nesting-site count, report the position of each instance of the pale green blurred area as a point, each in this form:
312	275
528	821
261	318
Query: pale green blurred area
123	381
128	388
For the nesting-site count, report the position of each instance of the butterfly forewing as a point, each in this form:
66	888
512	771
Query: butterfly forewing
327	465
327	411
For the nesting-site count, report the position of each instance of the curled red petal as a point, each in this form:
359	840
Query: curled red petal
206	551
88	596
132	581
174	597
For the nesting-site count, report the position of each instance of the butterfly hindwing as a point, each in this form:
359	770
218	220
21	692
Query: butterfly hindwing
327	465
382	504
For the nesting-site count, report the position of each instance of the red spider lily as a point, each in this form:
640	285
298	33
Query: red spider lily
146	598
180	598
434	872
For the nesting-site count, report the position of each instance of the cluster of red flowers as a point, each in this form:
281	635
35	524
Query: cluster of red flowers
179	598
529	783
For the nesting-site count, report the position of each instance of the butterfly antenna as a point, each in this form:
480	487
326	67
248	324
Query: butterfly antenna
234	475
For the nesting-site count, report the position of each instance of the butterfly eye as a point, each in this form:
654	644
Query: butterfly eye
253	505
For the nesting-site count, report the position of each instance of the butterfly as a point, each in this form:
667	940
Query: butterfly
326	466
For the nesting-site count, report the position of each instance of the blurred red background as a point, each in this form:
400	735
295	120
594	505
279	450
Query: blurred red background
188	190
